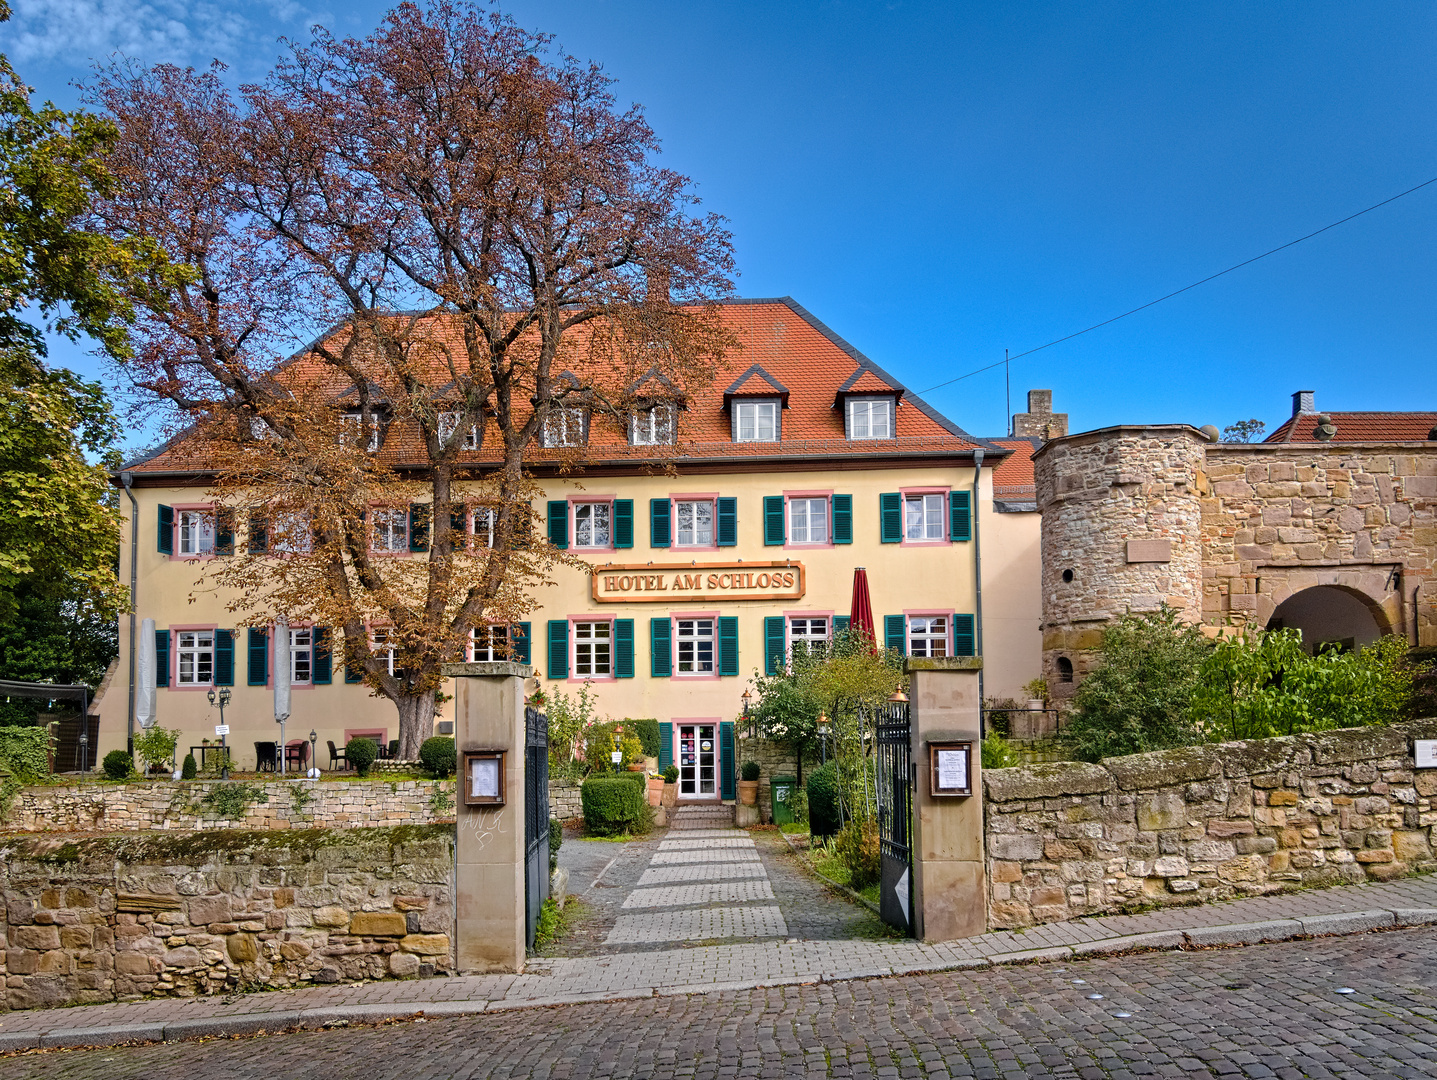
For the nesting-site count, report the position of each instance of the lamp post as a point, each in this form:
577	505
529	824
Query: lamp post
313	760
747	700
824	730
222	699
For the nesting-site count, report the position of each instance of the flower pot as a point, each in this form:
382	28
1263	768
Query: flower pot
670	797
748	792
656	790
636	766
1035	704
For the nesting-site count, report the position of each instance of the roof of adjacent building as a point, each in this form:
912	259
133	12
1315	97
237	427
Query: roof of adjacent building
1013	482
1359	427
785	352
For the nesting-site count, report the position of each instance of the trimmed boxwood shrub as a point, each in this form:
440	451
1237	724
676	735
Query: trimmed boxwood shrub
750	771
439	755
823	800
189	770
613	805
671	774
361	753
118	764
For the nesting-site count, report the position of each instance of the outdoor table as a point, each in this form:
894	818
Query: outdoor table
204	751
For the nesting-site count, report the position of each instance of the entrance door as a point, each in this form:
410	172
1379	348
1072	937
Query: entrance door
698	761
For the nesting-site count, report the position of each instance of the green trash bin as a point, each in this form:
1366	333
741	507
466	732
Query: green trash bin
781	791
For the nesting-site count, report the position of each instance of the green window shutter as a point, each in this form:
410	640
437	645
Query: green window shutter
960	516
843	519
321	671
728	522
558	647
458	520
258	674
659	531
165	532
519	636
890	517
964	639
623	648
559	523
661	663
623	523
729	791
895	633
419	527
224	658
772	520
840	624
353	673
258	533
162	658
774	645
666	745
728	644
224	531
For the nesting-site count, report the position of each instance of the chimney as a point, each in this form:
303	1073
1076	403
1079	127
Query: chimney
1303	403
1040	420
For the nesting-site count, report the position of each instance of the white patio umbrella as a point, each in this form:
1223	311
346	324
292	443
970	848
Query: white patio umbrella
281	682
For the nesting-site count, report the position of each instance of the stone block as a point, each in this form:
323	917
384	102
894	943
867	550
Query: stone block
1160	811
76	937
1007	872
21	961
242	948
1347	922
1376	855
403	965
378	924
35	937
1170	866
1024	847
1245	933
426	944
1226	829
1046	781
330	916
186	956
1137	772
1282	798
1411	846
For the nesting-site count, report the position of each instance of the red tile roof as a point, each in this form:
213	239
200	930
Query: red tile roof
1013	477
1359	427
782	346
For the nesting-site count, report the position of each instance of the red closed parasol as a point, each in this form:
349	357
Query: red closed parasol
860	612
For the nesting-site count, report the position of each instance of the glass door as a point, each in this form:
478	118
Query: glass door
698	761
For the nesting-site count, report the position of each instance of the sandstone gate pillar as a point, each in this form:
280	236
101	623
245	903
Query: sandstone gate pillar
489	862
950	897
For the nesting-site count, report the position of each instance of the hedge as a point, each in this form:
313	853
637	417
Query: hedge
614	805
439	756
823	800
648	733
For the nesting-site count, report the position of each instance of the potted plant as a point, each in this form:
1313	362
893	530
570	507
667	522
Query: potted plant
1037	691
670	796
748	784
655	789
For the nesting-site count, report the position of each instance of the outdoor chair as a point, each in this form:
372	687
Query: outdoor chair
393	749
297	754
336	756
266	757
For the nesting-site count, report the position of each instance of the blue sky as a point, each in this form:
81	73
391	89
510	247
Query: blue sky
939	182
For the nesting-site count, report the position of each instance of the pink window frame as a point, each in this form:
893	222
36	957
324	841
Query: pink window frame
469	645
712	676
584	500
574	676
926	613
181	508
903	494
369	525
812	545
703	496
788	616
174	672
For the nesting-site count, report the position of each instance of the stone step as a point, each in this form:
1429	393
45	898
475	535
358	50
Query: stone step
710	816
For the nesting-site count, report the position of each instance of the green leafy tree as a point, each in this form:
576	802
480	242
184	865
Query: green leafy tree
1139	697
58	524
1244	431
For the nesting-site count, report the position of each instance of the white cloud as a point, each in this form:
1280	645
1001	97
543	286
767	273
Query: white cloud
151	31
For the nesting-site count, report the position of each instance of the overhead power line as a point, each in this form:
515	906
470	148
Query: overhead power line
1178	292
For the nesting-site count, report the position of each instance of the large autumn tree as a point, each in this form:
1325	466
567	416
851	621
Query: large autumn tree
477	237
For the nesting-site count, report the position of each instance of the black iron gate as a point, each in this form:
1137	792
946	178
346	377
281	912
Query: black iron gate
895	808
536	818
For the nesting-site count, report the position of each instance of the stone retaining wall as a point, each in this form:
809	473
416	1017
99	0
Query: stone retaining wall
1207	823
113	918
564	802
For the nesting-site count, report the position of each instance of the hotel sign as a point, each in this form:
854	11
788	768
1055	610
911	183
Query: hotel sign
669	583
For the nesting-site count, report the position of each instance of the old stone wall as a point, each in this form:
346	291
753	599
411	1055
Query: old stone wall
1207	823
774	759
112	918
564	801
1120	533
1277	519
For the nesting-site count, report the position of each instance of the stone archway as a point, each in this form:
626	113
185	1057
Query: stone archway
1332	604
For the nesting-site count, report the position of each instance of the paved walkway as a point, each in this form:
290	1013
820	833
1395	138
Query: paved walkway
717	967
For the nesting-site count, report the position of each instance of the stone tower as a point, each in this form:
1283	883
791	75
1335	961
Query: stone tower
1121	532
1040	421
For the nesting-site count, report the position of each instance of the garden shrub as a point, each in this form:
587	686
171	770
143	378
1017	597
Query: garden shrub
823	800
858	848
556	841
996	753
25	751
439	756
671	774
750	771
156	746
118	765
648	735
638	779
361	753
613	805
189	770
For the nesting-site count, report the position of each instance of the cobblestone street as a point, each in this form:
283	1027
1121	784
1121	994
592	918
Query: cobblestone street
1261	1011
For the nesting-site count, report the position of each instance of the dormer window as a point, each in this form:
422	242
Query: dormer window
755	421
564	426
653	426
353	429
870	418
449	424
